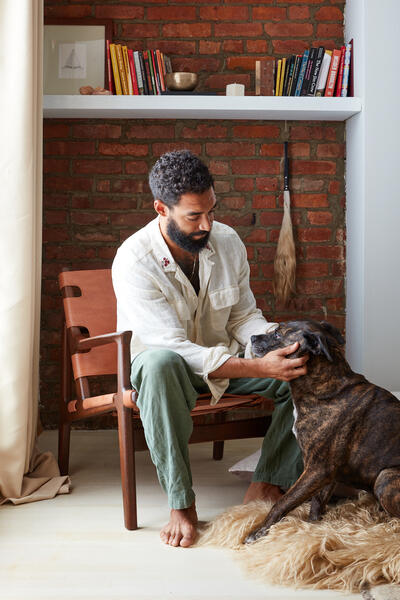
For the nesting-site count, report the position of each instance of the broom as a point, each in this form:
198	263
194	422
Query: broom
285	258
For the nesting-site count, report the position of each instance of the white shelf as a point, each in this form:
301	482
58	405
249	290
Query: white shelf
200	107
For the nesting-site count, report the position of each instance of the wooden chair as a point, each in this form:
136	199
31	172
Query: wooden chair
92	348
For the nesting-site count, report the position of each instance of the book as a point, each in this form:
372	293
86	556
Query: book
121	68
295	74
138	72
257	81
302	71
168	66
315	71
133	72
307	75
289	62
278	76
283	69
340	72
333	72
346	70
351	70
323	74
292	63
110	82
144	75
155	69
114	62
127	69
267	73
161	70
148	73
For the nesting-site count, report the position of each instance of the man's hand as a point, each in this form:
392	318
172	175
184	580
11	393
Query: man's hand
276	365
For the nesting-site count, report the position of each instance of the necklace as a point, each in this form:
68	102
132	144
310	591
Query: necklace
193	268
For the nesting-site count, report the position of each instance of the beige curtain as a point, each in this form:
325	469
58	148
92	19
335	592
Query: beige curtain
25	474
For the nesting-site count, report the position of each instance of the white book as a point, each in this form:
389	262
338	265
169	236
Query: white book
323	74
138	70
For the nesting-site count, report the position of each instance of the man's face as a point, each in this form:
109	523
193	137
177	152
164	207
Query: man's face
189	222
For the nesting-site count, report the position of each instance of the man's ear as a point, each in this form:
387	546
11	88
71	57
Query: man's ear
161	208
316	344
333	331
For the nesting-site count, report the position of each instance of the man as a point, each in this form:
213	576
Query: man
182	287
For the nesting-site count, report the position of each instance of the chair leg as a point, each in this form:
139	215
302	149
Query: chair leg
64	435
218	450
127	462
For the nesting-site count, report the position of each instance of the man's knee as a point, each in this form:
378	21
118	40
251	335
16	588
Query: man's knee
158	362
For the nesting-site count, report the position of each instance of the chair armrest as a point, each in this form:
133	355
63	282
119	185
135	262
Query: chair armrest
117	337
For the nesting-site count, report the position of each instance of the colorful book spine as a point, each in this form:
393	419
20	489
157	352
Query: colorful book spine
302	71
316	70
133	73
144	76
121	67
307	75
138	72
161	70
339	79
127	69
283	69
323	74
346	70
114	62
110	82
155	70
333	72
148	73
295	74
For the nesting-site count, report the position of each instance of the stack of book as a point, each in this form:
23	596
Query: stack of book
136	73
317	72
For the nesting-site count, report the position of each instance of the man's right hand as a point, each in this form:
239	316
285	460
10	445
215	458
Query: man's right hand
277	366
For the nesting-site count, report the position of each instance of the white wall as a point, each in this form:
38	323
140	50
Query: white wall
373	194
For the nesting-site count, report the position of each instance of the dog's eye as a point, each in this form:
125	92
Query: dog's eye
276	335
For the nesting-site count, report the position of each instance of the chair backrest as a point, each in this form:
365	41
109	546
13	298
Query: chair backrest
89	302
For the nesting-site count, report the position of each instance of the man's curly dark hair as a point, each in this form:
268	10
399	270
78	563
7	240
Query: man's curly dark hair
176	173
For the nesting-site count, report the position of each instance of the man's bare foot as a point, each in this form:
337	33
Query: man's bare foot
181	529
260	490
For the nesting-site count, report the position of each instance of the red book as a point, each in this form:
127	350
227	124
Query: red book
160	70
133	73
340	73
155	70
109	69
333	72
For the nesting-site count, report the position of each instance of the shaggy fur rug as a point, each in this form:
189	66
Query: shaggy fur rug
355	546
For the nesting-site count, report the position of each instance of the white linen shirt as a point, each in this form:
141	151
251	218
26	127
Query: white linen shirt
156	301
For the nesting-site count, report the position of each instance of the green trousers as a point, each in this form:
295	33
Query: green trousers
167	392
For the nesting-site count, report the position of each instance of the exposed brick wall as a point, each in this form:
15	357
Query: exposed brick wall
95	171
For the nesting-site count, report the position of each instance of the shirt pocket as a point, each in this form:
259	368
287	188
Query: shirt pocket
182	310
221	303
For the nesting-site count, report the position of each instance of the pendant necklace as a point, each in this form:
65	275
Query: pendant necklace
193	268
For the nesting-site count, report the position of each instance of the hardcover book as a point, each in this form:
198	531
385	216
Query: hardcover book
302	71
315	71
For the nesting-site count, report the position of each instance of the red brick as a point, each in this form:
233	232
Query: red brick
334	187
222	186
313	167
89	218
240	220
209	47
321	252
204	130
80	202
219	82
269	13
263	201
130	219
261	287
319	269
254	271
330	30
146	131
339	269
55	217
241	62
233	202
114	203
319	217
107	252
238	29
69	184
224	13
257	46
131	186
162	147
299	13
57	130
288	29
290	46
313	132
139	31
55	234
267	184
267	270
100	131
232	45
118	11
305	184
329	13
113	149
335	304
97	166
299	1
96	236
171	13
186	30
178	47
314	234
326	287
256	131
244	184
67	252
309	200
195	65
230	149
219	167
266	253
256	167
257	235
330	150
271	218
103	185
55	165
68	12
70	148
136	167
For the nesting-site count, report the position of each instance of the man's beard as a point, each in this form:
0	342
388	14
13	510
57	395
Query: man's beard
186	241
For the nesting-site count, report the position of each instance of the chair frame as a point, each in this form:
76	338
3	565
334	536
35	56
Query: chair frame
213	428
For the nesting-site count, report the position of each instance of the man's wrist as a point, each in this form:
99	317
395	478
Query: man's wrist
236	367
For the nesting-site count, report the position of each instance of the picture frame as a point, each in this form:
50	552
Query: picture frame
74	54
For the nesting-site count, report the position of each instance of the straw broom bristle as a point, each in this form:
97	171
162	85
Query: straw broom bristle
285	258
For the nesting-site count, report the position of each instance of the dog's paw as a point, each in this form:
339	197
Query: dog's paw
256	535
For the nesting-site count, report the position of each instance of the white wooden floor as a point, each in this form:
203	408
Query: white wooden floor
76	547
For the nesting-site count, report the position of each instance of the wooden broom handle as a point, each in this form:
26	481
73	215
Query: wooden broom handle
286	169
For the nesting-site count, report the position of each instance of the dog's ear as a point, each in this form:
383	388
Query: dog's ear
333	331
316	344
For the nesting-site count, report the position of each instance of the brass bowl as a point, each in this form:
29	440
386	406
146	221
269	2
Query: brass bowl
181	81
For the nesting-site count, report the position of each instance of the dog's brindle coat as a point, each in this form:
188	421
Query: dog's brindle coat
347	428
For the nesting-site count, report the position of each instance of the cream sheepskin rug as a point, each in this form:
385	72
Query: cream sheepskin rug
355	546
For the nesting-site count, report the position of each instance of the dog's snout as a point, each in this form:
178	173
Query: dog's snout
253	338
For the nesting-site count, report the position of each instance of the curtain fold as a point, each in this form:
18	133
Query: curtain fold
25	474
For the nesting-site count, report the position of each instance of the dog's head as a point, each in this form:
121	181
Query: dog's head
314	338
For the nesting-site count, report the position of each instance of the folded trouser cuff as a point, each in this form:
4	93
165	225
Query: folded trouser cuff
182	500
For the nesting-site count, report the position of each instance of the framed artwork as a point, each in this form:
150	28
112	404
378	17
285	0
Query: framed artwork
74	54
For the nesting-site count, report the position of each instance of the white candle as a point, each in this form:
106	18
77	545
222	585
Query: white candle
235	89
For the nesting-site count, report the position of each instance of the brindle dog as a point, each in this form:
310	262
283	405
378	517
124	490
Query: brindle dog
347	428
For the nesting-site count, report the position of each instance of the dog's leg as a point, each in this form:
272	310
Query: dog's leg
319	502
387	490
308	484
